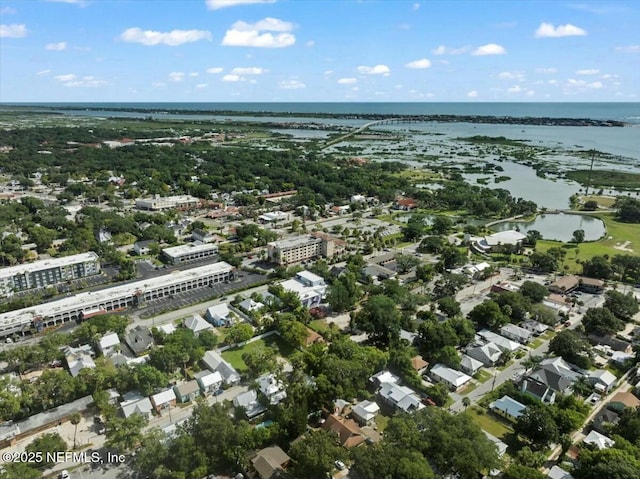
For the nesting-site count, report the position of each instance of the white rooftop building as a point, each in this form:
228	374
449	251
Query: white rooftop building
158	203
108	344
503	343
272	388
400	397
452	378
190	252
197	324
310	288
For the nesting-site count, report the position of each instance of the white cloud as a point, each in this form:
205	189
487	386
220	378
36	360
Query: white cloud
489	49
415	6
530	93
472	94
232	78
172	38
202	85
86	82
158	84
66	78
376	70
244	34
511	76
310	43
13	31
514	89
419	64
248	71
58	47
291	85
217	4
552	82
8	11
80	3
193	74
547	30
628	49
328	72
176	77
546	71
581	84
444	50
589	71
347	81
43	72
215	70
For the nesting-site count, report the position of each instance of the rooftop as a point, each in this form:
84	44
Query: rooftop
27	268
189	248
294	242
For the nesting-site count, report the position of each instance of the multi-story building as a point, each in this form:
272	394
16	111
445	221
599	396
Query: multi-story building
190	252
159	203
48	272
117	298
296	250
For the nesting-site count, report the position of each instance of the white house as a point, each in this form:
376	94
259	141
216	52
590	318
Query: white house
516	333
214	362
163	400
208	381
602	380
508	408
249	401
309	287
109	344
452	378
250	305
469	365
400	397
599	441
505	344
271	388
365	412
219	315
136	405
197	324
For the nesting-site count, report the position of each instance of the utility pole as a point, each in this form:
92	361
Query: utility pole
593	157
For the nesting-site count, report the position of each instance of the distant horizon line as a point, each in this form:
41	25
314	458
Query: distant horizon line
307	102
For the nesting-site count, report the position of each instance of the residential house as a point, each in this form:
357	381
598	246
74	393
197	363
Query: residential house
556	472
197	324
209	382
405	204
565	284
452	378
272	388
511	331
419	365
504	344
377	272
602	380
139	339
488	354
188	391
611	341
365	412
535	327
500	445
598	441
558	305
109	344
167	329
136	405
163	401
349	434
605	420
622	400
470	365
214	362
143	247
553	375
379	378
79	358
202	236
408	336
400	397
219	315
508	408
249	402
270	461
250	305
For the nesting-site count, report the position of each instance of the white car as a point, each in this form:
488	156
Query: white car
340	465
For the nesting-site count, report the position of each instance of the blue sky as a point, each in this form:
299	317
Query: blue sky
319	50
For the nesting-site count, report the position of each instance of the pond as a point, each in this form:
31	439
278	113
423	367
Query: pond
559	227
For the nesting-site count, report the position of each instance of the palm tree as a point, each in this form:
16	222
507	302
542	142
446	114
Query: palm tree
75	420
466	402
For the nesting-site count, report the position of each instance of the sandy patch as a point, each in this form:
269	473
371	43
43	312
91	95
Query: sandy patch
624	246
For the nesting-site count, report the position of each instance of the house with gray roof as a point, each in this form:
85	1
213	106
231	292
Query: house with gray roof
508	408
141	405
187	391
197	324
365	412
249	402
470	365
488	354
400	397
598	441
553	375
213	361
505	344
139	339
209	381
452	378
511	331
602	380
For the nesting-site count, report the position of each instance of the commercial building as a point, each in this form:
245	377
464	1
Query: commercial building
296	250
48	272
189	252
113	299
499	241
310	288
159	203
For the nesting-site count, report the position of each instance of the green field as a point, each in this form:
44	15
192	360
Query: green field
234	356
606	179
491	424
482	376
619	235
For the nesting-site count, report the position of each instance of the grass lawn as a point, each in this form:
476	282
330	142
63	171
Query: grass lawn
548	335
469	388
618	234
381	422
234	356
606	201
536	343
482	376
488	423
509	363
319	325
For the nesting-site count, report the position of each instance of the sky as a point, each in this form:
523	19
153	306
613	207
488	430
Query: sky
319	50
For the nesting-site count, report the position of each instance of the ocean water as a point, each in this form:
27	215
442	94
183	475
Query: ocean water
627	112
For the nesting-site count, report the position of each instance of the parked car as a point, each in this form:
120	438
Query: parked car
340	465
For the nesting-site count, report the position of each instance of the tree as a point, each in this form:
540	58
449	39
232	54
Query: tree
260	360
534	291
344	293
75	420
623	306
390	461
601	321
488	315
612	463
314	454
441	225
406	262
415	228
518	471
597	267
124	434
590	205
571	348
432	244
449	306
578	236
466	402
293	332
239	333
538	425
543	262
628	209
629	425
48	444
527	457
380	319
19	470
